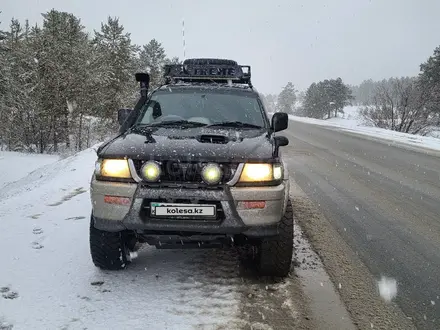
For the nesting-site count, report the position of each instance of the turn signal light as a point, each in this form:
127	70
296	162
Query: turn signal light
116	200
254	204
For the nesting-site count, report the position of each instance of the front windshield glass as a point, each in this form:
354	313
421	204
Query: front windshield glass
207	107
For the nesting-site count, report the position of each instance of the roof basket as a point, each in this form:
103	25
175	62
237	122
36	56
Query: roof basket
208	70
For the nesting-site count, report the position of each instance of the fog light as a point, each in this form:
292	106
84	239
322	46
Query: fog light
151	171
211	173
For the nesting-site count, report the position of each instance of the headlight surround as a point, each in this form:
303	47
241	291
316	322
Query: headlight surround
211	173
261	173
113	168
151	171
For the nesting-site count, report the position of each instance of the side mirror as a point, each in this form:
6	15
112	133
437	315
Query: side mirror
123	115
281	141
280	121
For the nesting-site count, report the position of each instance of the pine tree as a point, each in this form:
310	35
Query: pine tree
429	81
3	87
152	60
286	99
91	100
315	105
326	97
17	80
117	66
61	65
3	65
29	89
8	51
63	89
39	113
344	96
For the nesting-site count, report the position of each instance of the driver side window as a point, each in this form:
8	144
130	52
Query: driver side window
168	105
153	111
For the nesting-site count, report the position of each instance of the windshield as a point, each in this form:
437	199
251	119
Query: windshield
202	106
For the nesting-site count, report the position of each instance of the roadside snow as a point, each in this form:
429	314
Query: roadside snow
352	122
16	165
47	279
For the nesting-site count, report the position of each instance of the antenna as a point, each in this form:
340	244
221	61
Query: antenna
183	37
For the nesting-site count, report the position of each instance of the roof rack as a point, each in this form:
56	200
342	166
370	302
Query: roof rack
208	70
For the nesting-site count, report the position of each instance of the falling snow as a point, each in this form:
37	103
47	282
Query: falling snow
387	288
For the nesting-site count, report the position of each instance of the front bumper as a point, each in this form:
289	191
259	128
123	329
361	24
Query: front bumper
233	217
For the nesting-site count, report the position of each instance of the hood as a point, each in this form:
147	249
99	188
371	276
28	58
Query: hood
201	144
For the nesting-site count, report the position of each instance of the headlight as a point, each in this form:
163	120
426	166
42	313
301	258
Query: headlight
151	171
261	172
113	168
211	173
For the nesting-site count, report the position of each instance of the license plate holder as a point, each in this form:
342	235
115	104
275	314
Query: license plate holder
178	210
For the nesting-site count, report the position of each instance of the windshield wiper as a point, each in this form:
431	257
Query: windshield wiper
185	123
234	124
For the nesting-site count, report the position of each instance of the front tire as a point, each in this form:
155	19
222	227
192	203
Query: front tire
275	255
108	249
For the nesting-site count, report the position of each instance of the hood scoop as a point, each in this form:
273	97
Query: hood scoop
212	138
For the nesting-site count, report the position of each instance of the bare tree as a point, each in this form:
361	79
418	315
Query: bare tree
399	104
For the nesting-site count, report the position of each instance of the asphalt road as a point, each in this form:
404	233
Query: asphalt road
384	202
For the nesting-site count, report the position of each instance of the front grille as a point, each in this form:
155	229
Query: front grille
145	212
187	172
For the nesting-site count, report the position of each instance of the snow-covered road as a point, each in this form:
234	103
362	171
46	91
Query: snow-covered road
47	279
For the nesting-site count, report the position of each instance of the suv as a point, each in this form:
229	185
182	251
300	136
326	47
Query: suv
196	164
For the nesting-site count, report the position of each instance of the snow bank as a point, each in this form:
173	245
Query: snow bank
47	279
16	165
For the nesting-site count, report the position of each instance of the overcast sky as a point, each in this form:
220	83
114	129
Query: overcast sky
283	40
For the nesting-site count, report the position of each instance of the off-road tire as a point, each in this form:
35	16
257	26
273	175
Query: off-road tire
108	249
275	254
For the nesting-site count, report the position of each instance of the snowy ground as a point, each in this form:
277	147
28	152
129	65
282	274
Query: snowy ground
47	279
23	165
351	121
51	283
